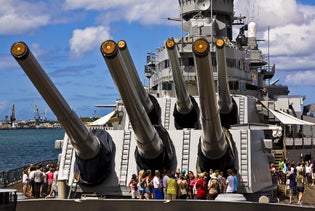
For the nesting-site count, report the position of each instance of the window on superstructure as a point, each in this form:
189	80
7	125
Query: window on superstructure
231	63
214	62
188	61
166	86
242	86
233	85
166	63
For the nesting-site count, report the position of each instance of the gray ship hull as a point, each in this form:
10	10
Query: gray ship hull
152	205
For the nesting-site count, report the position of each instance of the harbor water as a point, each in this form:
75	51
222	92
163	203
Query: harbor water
20	147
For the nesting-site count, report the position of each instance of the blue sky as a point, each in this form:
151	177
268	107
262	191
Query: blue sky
65	36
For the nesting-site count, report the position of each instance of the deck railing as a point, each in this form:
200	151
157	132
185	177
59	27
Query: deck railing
13	176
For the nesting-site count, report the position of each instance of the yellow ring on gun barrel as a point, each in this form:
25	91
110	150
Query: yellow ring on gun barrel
19	49
170	44
122	44
109	48
219	43
201	47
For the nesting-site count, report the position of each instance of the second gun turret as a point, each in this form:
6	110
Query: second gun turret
227	105
215	147
155	149
186	111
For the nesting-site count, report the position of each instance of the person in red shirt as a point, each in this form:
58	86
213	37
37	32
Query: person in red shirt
201	187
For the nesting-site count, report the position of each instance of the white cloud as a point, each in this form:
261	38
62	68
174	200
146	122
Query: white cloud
269	12
291	37
302	77
19	16
143	11
87	39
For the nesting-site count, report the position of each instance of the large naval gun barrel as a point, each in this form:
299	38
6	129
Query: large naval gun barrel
149	102
154	147
215	147
186	111
93	148
227	106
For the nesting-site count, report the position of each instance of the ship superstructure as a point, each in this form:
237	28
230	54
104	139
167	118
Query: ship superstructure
211	20
248	72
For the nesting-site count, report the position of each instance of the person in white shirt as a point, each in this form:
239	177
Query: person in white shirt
38	179
230	181
157	185
164	180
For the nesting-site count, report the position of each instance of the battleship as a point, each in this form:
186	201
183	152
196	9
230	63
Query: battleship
210	105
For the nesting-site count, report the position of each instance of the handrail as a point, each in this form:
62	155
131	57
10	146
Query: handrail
14	176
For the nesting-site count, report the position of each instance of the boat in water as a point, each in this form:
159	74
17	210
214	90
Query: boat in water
208	106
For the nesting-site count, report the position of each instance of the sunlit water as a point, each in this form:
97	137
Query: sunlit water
20	147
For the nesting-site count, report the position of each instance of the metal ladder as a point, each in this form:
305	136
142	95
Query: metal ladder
244	157
125	158
73	185
167	113
242	110
68	158
186	149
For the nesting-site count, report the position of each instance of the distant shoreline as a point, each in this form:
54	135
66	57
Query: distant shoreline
25	128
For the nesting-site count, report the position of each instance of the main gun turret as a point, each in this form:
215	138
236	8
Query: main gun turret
186	111
93	148
154	150
215	147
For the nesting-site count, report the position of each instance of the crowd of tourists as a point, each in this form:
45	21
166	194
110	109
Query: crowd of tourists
295	176
181	184
39	181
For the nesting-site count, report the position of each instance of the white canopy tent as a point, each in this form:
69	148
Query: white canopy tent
288	119
102	121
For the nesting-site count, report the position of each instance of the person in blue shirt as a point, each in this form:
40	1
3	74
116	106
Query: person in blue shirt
235	181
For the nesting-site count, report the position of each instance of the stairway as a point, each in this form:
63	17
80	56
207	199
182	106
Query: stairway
244	158
66	161
242	110
125	158
279	155
186	149
167	113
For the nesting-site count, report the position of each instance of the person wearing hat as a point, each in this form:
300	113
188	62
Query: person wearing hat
182	187
213	187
